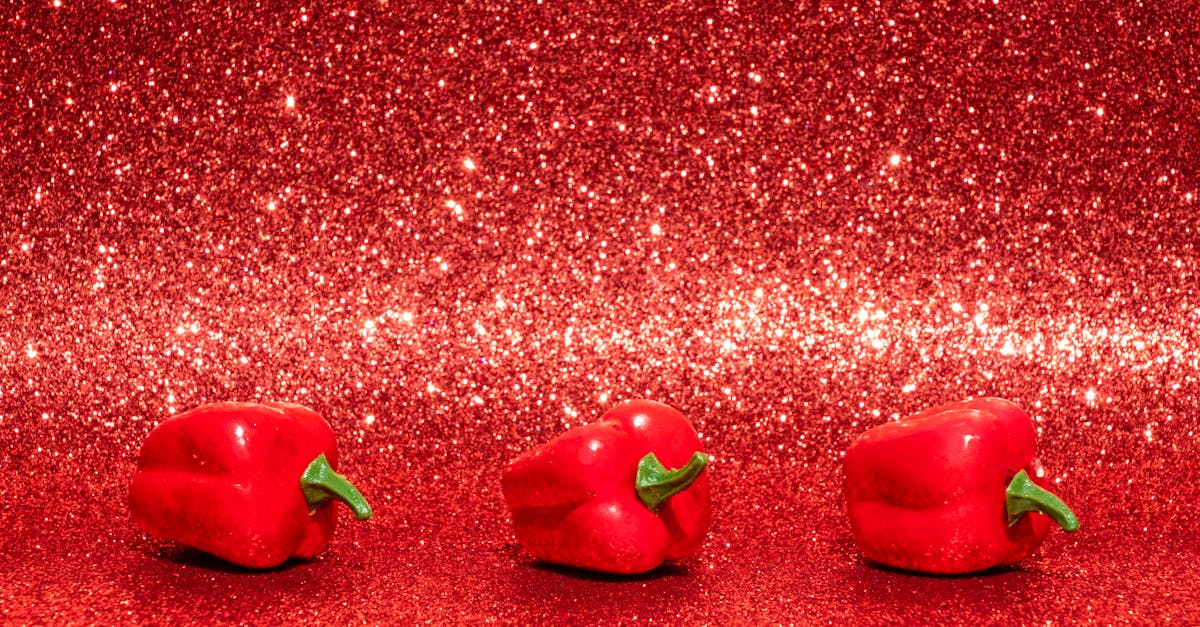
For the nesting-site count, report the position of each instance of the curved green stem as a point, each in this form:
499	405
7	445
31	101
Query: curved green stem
1023	495
655	484
320	482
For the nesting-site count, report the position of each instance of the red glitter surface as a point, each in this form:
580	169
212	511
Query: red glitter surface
456	231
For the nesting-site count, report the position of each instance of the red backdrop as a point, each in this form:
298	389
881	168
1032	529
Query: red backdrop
456	231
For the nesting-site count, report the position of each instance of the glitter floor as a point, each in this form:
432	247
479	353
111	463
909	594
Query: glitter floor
456	231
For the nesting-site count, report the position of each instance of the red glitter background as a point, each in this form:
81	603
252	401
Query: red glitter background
458	230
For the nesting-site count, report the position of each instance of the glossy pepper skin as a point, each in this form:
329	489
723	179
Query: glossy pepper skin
950	490
602	496
252	484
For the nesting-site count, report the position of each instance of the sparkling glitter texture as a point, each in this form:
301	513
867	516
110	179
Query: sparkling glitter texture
456	231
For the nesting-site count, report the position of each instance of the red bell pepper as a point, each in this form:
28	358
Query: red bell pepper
599	497
951	490
249	483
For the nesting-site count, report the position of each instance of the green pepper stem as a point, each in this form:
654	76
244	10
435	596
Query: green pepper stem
1023	495
320	483
655	484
